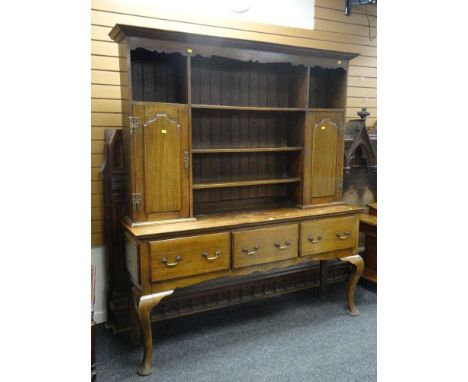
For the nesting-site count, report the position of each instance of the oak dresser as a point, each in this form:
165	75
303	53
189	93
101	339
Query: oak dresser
234	156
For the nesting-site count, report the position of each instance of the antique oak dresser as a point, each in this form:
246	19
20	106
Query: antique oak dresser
234	156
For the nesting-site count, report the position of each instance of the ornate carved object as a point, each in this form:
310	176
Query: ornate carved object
360	162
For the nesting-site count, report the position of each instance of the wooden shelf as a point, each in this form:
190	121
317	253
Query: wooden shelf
248	108
245	150
244	183
325	109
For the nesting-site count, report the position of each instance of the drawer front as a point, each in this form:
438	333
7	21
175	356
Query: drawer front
265	245
326	235
189	256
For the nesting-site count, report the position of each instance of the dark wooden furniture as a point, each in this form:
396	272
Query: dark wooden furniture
368	226
234	156
114	194
201	297
360	162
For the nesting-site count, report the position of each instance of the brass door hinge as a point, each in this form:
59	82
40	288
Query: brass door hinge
136	201
134	124
186	159
339	185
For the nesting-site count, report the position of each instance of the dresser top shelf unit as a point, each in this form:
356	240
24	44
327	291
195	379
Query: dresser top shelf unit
248	108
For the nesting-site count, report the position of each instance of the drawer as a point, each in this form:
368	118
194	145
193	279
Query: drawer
265	245
326	235
189	256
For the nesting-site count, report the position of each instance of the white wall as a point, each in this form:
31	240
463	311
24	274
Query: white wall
292	13
98	259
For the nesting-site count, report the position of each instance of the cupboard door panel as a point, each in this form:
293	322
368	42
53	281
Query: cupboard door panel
161	145
162	157
324	168
324	144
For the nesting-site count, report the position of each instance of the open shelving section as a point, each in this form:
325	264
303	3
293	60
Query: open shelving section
248	122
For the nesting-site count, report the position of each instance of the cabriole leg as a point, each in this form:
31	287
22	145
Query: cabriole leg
358	266
134	334
145	305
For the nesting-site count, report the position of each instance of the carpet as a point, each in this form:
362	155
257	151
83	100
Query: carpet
294	337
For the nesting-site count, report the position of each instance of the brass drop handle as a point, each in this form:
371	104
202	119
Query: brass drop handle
217	253
311	239
287	243
344	236
254	252
171	265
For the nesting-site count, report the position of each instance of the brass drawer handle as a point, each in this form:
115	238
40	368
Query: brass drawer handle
344	236
217	253
311	239
254	252
287	243
171	265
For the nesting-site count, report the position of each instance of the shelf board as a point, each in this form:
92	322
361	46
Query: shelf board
245	150
244	183
325	109
249	108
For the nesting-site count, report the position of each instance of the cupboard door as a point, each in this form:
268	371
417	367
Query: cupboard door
325	164
161	154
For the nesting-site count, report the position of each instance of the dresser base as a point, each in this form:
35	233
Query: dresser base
144	304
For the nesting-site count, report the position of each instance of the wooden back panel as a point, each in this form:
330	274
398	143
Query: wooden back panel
224	81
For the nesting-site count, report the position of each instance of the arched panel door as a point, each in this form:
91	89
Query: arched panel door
161	162
326	157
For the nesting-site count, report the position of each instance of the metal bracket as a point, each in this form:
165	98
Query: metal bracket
136	201
134	124
186	159
161	115
339	185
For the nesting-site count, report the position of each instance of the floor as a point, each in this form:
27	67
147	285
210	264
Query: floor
294	337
